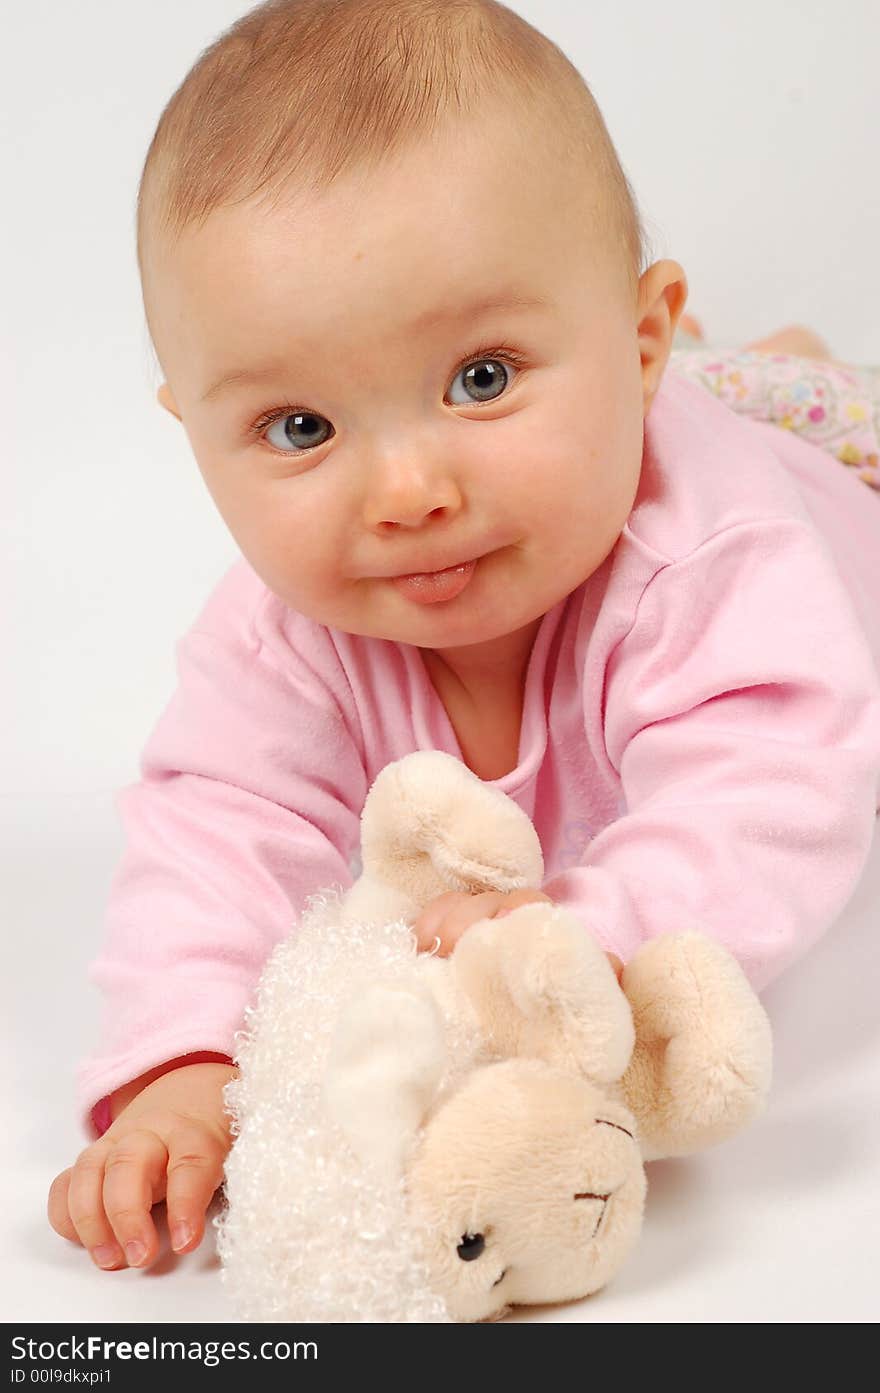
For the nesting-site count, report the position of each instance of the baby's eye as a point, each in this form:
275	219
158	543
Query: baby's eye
303	430
483	379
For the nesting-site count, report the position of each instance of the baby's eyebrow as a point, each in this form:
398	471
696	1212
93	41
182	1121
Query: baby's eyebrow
428	319
240	377
497	304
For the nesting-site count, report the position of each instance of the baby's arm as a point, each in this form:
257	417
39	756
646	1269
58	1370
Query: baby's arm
743	717
249	801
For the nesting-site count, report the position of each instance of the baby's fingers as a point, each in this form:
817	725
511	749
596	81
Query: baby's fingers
134	1180
616	963
85	1208
81	1191
195	1169
56	1206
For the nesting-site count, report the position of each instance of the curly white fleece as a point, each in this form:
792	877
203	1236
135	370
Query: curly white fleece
310	1233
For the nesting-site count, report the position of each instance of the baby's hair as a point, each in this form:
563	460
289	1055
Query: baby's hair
296	93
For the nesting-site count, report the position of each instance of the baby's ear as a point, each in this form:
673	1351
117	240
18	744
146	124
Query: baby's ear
166	399
387	1057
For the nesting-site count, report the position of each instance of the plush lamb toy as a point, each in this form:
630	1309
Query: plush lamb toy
436	1139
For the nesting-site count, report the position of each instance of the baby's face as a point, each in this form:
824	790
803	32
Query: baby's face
414	425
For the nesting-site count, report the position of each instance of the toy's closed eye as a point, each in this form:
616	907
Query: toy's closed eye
605	1123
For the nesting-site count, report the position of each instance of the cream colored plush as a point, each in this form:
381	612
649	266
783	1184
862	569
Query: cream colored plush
432	1139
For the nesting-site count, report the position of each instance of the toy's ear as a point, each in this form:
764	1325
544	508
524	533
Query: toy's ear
703	1060
429	825
387	1056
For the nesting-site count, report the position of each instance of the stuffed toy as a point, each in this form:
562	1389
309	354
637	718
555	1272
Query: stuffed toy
425	1138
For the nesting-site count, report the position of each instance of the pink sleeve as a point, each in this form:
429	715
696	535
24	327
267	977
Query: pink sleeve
101	1115
250	798
743	717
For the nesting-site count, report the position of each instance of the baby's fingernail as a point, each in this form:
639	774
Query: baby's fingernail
180	1235
106	1254
135	1253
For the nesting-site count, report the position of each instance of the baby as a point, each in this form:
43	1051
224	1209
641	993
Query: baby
392	272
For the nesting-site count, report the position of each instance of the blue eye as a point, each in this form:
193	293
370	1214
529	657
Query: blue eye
484	380
304	430
485	374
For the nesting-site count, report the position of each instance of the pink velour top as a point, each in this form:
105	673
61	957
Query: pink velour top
700	745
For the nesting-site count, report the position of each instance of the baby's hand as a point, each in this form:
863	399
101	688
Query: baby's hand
170	1142
448	916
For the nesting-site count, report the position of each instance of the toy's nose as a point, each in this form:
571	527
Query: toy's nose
586	1195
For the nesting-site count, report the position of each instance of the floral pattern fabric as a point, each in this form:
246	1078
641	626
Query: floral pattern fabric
834	405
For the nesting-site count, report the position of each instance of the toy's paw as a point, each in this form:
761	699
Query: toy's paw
386	1059
568	1004
702	1063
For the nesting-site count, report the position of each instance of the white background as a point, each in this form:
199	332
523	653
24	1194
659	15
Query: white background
749	133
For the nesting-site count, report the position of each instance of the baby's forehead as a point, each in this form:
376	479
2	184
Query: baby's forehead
468	171
376	244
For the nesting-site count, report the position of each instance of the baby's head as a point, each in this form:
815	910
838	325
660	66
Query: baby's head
392	273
